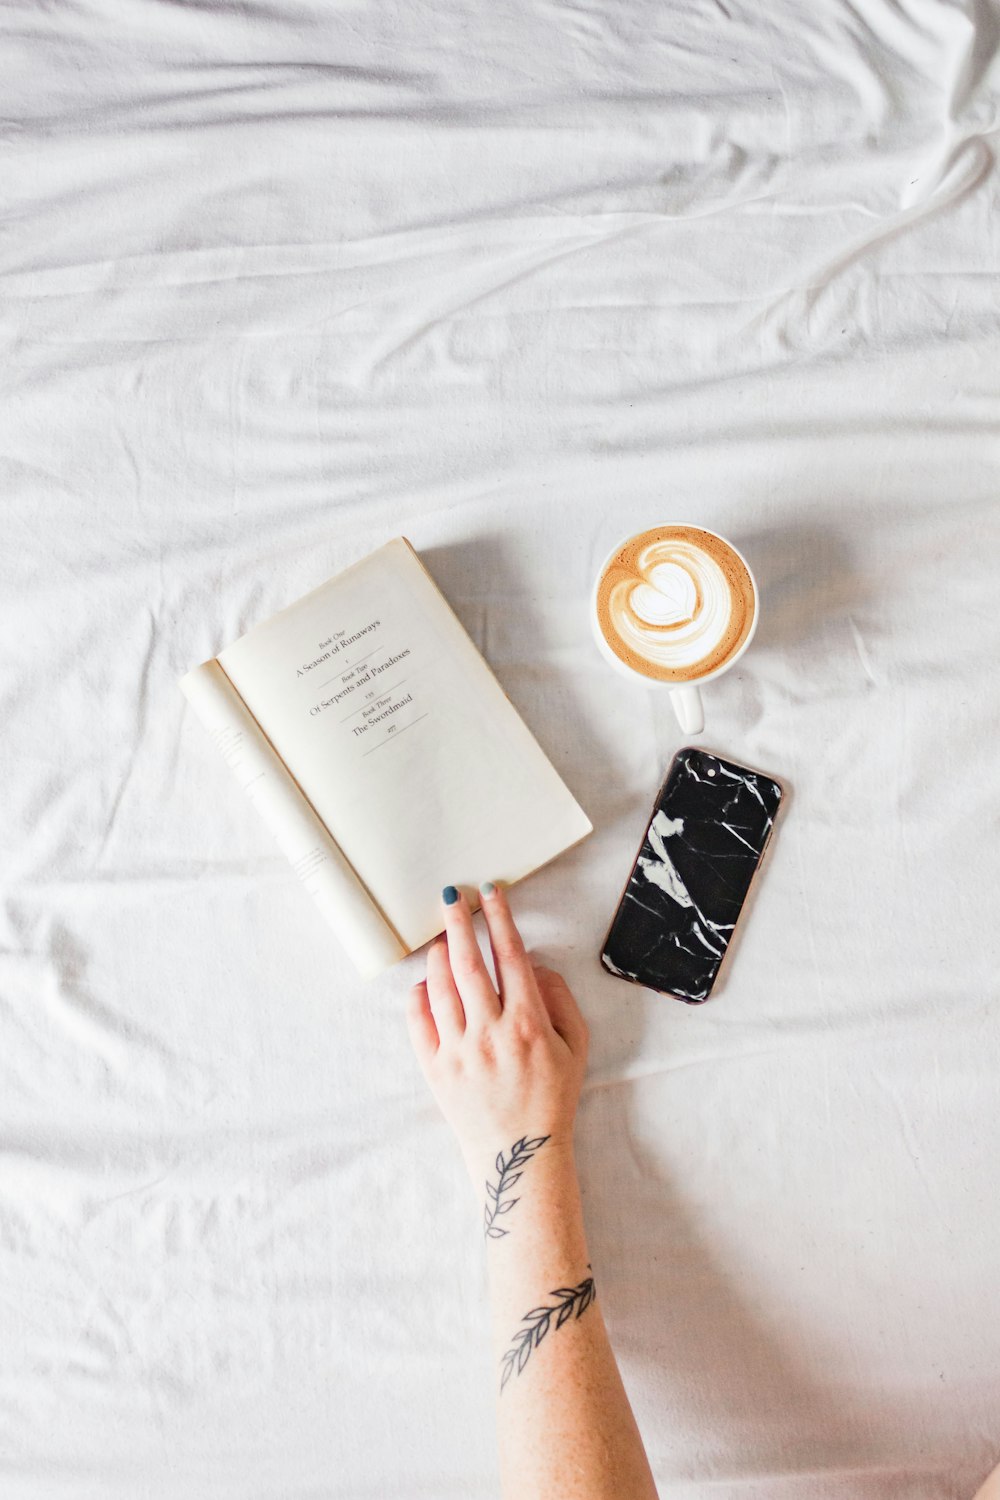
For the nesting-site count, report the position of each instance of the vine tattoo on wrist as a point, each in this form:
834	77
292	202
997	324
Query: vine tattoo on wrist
537	1322
508	1172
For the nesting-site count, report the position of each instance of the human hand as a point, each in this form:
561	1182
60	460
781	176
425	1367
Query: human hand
501	1063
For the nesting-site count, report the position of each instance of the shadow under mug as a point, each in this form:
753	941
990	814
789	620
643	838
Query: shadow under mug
685	697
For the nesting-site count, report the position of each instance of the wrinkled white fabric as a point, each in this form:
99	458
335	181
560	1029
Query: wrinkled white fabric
283	279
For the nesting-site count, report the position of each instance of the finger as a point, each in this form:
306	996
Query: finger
468	967
445	1001
514	971
564	1013
421	1025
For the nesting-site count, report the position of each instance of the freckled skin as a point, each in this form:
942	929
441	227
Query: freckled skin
506	1063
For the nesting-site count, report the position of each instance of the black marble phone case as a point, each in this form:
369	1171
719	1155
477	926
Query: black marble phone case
709	828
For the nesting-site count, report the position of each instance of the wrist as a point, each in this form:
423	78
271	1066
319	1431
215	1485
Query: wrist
529	1206
540	1242
486	1159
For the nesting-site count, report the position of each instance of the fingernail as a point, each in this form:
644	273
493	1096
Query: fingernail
487	888
449	895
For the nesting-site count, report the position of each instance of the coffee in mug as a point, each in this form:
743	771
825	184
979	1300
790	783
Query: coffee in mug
676	605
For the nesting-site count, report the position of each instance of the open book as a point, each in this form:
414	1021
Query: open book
382	753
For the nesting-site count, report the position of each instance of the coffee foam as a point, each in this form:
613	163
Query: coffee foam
675	603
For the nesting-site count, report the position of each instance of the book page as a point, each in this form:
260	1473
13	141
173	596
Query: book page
402	739
314	856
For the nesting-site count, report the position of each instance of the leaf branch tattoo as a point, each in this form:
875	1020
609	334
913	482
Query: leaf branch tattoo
508	1172
538	1321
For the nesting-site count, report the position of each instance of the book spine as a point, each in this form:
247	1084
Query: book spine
314	855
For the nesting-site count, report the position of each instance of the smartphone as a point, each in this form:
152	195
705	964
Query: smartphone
709	829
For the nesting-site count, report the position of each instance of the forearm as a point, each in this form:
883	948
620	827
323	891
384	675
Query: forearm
510	1058
566	1430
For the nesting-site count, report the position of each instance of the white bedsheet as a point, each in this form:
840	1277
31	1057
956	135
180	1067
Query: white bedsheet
282	279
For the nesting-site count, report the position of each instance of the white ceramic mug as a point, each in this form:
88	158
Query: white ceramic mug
685	697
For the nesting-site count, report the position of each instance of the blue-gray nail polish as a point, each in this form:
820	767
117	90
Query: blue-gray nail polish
450	895
487	888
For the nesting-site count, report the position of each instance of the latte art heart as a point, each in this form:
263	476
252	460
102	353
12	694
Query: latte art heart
675	603
669	598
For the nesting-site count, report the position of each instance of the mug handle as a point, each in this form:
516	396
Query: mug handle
687	706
